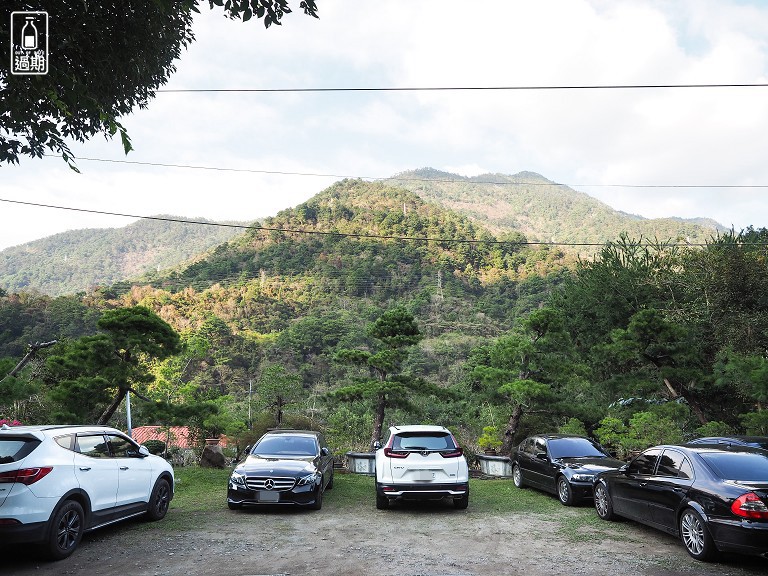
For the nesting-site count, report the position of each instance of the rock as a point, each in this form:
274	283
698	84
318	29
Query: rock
212	457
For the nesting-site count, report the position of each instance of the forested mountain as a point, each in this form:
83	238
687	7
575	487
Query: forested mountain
369	298
543	210
525	204
361	241
78	260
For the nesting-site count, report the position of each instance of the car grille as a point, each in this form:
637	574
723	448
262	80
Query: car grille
269	483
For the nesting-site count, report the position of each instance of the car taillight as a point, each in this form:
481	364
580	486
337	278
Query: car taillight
453	453
395	453
750	506
25	476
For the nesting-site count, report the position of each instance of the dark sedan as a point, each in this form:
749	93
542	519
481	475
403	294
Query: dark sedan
714	499
734	441
561	464
285	467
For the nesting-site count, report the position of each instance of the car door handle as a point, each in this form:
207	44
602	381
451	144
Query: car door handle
85	468
643	483
123	467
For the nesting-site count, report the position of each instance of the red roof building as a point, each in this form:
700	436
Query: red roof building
173	436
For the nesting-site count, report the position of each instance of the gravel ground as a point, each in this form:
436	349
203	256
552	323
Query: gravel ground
413	540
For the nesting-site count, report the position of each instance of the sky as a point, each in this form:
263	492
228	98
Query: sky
239	156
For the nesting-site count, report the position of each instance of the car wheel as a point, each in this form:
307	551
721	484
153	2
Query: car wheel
159	501
564	491
461	502
517	476
603	504
382	502
66	531
695	536
318	504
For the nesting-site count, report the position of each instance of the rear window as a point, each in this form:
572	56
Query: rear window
423	441
742	466
15	449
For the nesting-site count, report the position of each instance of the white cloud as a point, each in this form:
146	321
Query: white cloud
620	136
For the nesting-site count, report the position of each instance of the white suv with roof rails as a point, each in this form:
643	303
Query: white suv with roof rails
57	482
421	463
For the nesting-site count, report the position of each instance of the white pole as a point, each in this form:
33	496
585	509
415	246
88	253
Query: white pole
128	413
250	386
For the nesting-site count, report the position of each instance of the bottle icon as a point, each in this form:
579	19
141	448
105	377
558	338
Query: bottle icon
29	34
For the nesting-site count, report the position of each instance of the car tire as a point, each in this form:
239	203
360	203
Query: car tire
318	503
382	502
66	530
517	476
159	501
603	503
695	536
564	491
461	502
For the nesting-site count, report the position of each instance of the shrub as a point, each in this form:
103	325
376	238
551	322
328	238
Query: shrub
155	446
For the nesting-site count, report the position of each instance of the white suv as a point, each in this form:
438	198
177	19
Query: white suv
57	482
421	463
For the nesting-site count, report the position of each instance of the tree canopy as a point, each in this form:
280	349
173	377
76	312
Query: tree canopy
105	59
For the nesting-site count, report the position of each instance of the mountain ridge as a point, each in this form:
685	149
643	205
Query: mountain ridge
525	205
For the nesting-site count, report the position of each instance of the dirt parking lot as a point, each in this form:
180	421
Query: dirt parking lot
411	540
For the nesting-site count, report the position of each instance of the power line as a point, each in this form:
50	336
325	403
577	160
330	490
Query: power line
335	234
408	179
464	88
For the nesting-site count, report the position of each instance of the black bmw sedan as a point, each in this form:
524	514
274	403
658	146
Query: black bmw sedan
562	464
285	467
713	498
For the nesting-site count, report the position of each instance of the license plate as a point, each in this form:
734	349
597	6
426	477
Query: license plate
425	475
268	496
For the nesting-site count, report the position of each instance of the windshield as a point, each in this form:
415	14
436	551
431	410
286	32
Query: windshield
573	448
285	445
741	466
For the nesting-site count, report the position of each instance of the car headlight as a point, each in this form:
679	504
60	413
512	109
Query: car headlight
583	477
308	479
237	478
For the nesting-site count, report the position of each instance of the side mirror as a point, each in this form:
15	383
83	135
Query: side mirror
324	451
624	469
377	445
143	451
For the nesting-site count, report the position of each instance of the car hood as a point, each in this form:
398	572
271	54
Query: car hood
593	464
276	465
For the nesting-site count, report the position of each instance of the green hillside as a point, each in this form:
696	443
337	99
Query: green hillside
543	210
78	260
360	241
305	313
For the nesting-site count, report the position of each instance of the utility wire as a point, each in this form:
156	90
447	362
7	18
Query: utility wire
336	234
464	88
408	179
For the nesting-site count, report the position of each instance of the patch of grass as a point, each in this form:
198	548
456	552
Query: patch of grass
350	491
200	489
204	491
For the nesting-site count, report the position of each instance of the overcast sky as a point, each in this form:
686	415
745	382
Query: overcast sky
282	148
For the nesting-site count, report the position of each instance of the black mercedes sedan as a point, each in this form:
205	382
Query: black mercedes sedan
562	464
285	467
712	498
